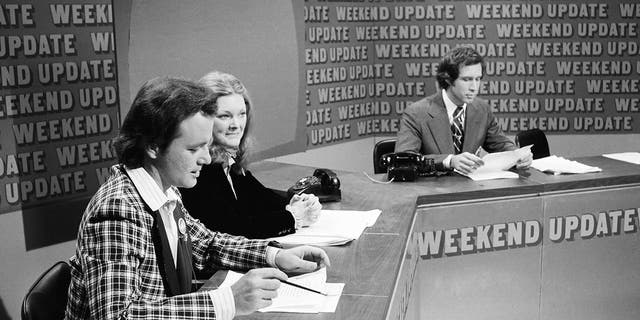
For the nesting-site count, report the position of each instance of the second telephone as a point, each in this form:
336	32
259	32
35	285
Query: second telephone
406	166
324	183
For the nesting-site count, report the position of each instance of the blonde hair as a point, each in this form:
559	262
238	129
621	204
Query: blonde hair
224	84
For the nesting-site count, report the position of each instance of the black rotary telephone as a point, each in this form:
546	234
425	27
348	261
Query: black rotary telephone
324	183
407	166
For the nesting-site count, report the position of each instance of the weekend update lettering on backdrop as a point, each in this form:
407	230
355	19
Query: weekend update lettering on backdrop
565	67
58	101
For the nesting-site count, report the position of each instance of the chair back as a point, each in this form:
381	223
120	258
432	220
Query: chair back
536	137
382	147
47	297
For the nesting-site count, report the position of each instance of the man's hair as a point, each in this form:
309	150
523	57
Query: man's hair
449	67
224	84
155	116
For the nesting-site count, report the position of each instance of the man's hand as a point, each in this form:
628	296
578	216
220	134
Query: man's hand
466	162
525	161
256	289
305	209
301	259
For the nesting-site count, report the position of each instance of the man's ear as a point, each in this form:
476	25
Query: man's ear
449	80
152	151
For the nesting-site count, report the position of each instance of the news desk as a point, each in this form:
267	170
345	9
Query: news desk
537	247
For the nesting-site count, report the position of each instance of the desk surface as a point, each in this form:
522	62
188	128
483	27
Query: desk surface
370	266
614	172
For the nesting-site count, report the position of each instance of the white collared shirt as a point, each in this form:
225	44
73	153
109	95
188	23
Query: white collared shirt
157	200
451	108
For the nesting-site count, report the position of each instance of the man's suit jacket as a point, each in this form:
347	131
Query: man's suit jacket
258	212
425	128
115	271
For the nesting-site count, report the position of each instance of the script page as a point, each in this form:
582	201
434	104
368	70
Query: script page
293	299
334	227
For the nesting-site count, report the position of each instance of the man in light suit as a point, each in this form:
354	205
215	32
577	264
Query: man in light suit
451	125
137	245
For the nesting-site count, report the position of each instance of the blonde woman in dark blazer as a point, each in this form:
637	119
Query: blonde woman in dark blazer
228	198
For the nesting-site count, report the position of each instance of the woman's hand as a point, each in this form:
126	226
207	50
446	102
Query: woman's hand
305	209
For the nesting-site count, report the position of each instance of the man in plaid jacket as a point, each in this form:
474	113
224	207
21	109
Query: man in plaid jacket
137	244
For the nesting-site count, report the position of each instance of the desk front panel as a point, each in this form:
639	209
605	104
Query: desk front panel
492	274
591	256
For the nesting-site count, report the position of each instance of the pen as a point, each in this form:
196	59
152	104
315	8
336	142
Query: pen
477	154
302	287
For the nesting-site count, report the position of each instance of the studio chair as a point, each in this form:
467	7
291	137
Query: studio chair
47	297
382	147
536	137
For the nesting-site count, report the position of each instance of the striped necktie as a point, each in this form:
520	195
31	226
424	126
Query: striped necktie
457	129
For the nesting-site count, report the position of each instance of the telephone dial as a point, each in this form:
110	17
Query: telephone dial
324	183
407	166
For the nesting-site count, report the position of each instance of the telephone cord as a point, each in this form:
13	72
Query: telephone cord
377	181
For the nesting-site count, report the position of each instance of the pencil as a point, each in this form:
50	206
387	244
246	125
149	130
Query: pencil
303	287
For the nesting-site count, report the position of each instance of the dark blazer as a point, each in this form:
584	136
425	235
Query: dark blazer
257	213
425	128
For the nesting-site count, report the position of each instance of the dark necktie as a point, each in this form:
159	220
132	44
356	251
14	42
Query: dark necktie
184	268
457	129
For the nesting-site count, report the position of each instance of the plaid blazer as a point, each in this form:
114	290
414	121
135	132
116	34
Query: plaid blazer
115	272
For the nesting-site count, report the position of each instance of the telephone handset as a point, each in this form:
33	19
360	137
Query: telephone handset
324	183
406	166
401	158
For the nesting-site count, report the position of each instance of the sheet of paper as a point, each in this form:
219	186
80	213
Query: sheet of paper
293	299
496	165
491	175
334	291
329	303
631	157
316	240
502	161
498	161
559	165
371	215
334	227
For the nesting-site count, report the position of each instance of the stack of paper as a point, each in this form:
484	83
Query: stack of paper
496	165
560	165
632	157
292	299
333	228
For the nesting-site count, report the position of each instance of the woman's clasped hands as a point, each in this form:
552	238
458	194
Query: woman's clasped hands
305	209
